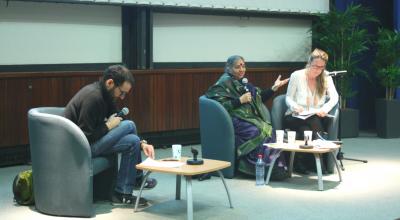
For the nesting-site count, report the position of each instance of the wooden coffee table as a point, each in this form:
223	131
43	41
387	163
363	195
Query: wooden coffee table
317	151
187	171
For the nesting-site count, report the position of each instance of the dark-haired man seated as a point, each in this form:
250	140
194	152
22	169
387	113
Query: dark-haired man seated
94	109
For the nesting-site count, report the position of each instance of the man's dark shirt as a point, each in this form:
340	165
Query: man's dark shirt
89	108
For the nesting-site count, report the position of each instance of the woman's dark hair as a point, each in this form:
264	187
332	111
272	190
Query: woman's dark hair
231	62
119	74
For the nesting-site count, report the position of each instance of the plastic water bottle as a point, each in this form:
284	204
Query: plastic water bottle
260	171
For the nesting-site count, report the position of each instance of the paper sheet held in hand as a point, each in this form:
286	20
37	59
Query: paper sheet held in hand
308	113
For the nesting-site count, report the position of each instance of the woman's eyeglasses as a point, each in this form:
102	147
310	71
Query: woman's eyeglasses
318	67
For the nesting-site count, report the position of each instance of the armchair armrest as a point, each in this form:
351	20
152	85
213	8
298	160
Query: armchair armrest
217	134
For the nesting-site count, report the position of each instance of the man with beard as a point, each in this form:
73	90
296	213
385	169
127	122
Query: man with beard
94	109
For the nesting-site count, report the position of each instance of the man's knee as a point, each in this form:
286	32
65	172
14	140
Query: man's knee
129	125
134	141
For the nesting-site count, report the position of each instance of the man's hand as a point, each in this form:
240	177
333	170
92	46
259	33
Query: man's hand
148	150
278	83
245	98
113	121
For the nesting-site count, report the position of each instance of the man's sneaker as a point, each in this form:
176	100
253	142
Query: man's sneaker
127	199
150	184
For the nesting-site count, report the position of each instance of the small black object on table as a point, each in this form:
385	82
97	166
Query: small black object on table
194	161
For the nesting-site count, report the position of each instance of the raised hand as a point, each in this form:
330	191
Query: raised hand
278	83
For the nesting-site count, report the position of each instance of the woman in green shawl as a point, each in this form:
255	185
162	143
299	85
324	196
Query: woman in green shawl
244	103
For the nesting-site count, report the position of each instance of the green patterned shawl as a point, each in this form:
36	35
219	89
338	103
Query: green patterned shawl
227	89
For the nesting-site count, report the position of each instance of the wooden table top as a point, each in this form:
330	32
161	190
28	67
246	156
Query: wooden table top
187	170
296	147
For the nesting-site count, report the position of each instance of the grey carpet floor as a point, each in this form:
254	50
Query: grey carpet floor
368	191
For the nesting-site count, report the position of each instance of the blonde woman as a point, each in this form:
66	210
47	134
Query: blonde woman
310	89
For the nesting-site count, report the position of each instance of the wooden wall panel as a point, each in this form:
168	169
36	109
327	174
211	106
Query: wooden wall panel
161	100
15	99
22	91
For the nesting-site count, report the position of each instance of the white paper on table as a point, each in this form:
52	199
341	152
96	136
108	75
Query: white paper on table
156	163
323	144
281	145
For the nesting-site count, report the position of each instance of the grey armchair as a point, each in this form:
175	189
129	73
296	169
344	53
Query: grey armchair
278	110
63	168
217	134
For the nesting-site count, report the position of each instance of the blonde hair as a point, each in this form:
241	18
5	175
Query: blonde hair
321	81
318	53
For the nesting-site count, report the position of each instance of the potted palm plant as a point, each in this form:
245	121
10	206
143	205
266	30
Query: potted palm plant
344	36
388	71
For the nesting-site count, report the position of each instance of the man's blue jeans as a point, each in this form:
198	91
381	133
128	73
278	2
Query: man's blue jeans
122	139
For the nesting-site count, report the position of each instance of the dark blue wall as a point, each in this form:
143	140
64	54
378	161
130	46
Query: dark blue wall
396	20
370	89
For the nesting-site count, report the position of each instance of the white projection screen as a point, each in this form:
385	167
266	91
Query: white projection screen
291	6
62	33
53	33
205	38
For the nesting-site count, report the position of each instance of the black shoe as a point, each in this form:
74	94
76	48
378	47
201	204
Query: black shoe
127	199
150	184
204	176
278	173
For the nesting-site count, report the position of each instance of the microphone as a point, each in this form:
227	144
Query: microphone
124	111
244	82
194	160
334	73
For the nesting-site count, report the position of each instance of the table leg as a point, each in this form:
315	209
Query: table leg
146	175
178	187
271	165
226	188
292	153
319	171
189	198
337	165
